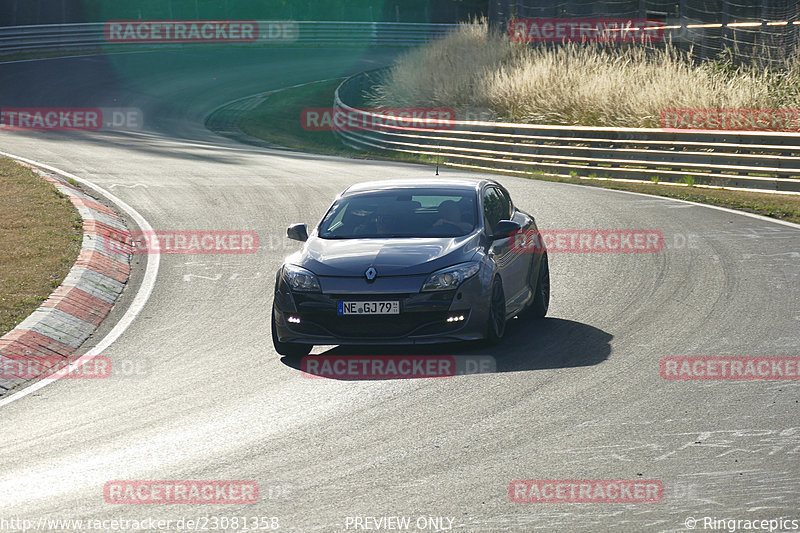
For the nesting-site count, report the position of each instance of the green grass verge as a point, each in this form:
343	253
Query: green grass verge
277	120
40	237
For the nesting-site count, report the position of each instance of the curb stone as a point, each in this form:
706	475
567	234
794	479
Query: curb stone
58	327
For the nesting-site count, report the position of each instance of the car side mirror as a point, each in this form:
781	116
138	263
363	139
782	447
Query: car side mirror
504	229
299	232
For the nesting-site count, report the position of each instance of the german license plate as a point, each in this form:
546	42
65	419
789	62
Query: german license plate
369	308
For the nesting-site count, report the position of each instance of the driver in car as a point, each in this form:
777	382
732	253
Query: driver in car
381	223
450	215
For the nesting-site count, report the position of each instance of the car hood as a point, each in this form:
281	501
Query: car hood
390	257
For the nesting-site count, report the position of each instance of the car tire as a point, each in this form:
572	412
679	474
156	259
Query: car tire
541	291
496	326
287	349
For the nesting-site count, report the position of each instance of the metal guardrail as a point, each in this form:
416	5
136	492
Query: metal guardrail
76	37
757	161
763	161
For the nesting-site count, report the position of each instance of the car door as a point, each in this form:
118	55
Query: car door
496	207
518	270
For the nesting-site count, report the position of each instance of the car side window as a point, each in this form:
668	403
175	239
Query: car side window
506	203
495	207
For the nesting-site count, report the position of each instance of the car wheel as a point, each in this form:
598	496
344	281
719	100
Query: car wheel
288	349
497	312
541	291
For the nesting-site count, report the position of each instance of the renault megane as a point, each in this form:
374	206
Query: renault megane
409	262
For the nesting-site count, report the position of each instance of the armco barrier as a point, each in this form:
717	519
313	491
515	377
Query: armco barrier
759	161
90	36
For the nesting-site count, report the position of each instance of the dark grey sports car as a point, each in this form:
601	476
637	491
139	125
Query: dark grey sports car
409	262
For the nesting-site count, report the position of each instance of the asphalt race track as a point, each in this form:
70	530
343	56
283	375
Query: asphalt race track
575	396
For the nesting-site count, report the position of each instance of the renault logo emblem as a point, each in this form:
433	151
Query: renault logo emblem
371	273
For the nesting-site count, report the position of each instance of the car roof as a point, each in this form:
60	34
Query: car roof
471	184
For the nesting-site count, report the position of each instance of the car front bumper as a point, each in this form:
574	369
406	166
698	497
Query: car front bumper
423	317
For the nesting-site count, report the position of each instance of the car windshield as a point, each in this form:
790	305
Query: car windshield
401	213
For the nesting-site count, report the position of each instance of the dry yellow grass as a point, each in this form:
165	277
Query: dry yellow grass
40	237
473	69
275	120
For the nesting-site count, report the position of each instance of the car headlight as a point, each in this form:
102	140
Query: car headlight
451	277
300	279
